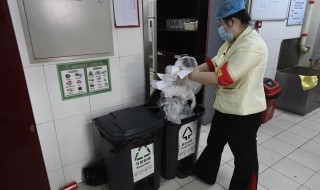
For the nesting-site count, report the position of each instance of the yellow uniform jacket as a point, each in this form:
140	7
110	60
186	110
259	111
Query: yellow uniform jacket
240	71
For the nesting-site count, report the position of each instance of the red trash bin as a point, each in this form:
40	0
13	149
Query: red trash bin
272	90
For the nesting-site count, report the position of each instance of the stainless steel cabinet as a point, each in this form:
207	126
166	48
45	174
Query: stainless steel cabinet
293	98
66	29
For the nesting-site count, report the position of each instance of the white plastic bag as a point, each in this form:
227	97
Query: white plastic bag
178	92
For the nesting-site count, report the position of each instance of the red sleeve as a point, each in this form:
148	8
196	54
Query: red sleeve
223	76
210	64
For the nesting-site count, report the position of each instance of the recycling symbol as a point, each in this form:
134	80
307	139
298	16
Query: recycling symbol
146	152
187	133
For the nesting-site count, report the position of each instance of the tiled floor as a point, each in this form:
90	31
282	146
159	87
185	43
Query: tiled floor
289	157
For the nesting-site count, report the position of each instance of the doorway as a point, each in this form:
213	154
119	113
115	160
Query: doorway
21	161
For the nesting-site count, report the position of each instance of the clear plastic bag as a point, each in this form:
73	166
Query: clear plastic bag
191	64
176	108
178	99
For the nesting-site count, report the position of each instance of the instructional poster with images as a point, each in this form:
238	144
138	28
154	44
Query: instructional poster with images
98	77
142	160
84	78
187	140
72	80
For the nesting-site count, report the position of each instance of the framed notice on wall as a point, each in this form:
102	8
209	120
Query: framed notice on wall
98	76
296	12
269	9
84	78
126	13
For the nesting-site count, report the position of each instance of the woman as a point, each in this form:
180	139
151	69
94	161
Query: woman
237	71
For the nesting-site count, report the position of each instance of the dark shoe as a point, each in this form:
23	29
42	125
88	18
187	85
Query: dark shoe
183	173
202	178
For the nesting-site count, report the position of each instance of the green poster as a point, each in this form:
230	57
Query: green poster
84	78
98	76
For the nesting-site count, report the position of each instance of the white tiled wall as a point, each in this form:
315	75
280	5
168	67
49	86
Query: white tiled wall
132	78
113	98
38	92
273	32
68	139
49	145
62	109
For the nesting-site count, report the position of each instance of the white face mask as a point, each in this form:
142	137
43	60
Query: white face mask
226	36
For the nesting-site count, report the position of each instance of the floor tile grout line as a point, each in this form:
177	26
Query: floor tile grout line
302	166
304	187
285	175
295	134
270	167
309	178
298	122
307	128
288	142
195	178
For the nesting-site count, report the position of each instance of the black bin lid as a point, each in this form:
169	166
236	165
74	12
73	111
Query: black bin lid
127	123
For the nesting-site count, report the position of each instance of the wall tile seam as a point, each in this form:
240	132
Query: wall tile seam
133	101
50	101
106	108
55	120
45	81
102	57
54	125
31	64
69	117
54	170
47	122
133	55
70	61
77	162
57	140
125	105
120	104
114	29
121	88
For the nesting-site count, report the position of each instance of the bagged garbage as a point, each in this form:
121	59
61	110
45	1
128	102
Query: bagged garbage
95	174
178	92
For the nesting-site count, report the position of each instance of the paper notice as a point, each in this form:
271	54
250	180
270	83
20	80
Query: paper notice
126	12
262	5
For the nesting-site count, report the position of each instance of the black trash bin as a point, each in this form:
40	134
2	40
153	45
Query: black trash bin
180	145
179	142
131	143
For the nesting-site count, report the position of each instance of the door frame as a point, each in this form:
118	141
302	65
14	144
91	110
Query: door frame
21	162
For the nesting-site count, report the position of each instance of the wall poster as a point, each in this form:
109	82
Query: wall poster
296	12
84	78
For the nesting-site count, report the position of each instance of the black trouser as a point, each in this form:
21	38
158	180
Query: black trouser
240	133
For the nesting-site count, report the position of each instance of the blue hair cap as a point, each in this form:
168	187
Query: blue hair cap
229	7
